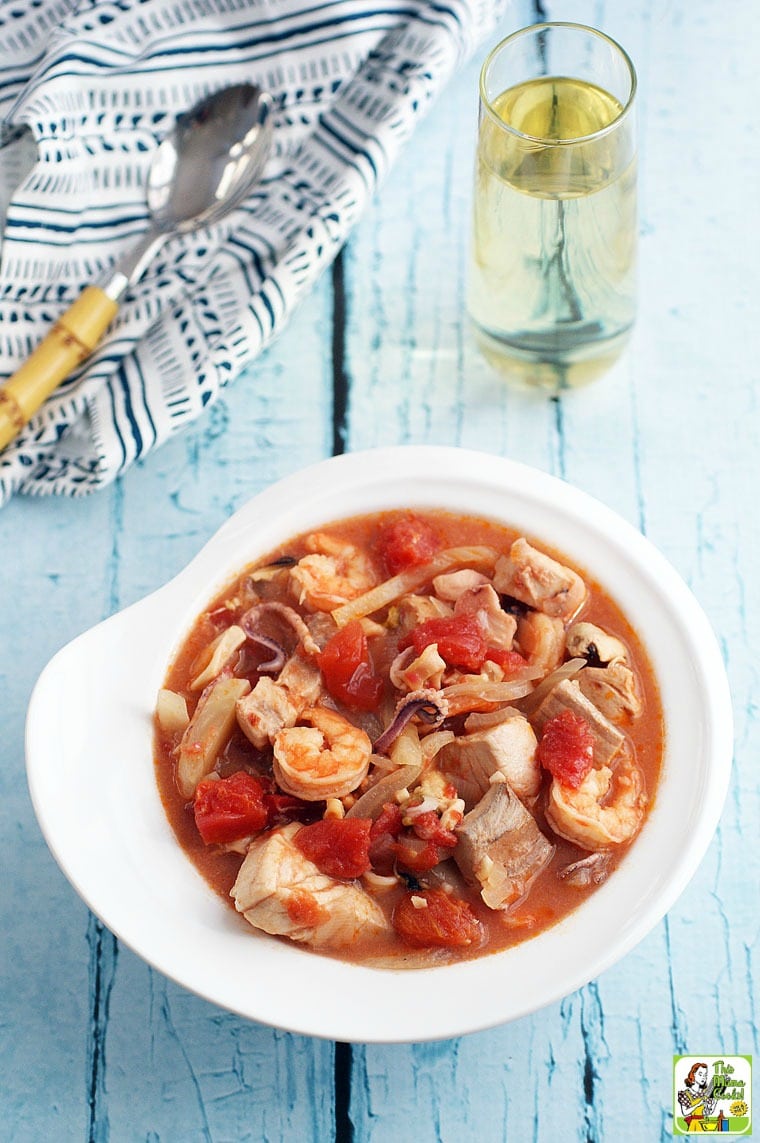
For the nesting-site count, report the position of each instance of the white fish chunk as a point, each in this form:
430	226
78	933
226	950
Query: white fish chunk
281	892
483	604
273	706
507	748
612	689
500	848
538	580
265	711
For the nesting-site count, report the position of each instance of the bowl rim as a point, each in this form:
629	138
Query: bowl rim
387	1005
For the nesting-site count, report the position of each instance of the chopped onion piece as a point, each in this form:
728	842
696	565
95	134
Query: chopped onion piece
370	804
406	750
171	711
220	652
378	882
406	581
496	887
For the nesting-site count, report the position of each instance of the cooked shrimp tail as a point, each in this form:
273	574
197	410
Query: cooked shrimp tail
325	756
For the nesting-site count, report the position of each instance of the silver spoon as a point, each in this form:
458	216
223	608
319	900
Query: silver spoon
202	170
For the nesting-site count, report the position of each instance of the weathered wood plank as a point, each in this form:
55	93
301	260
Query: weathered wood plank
134	1056
668	440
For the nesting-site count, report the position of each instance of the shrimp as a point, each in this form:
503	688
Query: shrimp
334	572
327	758
581	817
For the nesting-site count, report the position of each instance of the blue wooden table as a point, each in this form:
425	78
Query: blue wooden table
96	1045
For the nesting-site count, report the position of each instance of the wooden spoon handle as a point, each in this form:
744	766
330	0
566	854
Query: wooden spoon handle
69	343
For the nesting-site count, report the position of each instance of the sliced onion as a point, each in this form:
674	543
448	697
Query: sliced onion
220	651
484	696
484	720
567	670
426	705
392	589
208	732
434	742
370	804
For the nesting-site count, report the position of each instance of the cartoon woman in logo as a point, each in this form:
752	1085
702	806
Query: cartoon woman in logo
696	1099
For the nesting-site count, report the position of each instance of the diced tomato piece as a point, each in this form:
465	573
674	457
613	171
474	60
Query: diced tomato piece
566	748
339	847
385	829
388	821
444	922
428	827
347	668
416	854
509	661
227	809
283	808
460	640
417	849
408	542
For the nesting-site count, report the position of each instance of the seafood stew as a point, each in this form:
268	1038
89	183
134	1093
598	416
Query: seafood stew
408	738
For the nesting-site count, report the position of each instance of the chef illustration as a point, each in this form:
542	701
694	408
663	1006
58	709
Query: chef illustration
696	1099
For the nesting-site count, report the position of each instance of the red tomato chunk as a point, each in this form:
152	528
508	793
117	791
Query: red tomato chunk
566	748
443	922
385	829
227	809
509	661
460	641
338	847
407	543
347	668
415	854
283	808
428	827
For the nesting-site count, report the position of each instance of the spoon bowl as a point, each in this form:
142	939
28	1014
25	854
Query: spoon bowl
202	170
208	163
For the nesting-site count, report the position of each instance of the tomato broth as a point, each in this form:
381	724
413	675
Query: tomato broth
440	683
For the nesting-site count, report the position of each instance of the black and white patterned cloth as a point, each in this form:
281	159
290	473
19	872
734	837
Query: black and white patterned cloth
99	82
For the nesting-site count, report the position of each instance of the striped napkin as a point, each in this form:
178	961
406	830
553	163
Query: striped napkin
99	82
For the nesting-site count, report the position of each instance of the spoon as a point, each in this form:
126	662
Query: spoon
200	172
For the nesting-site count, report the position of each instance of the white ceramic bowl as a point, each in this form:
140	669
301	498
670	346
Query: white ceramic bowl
90	766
